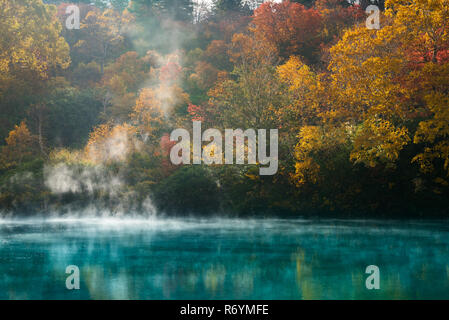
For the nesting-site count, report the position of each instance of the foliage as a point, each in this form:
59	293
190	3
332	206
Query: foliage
148	115
290	27
20	145
362	114
109	143
188	190
31	38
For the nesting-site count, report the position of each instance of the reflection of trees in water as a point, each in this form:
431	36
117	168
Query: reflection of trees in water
324	262
447	272
308	288
214	278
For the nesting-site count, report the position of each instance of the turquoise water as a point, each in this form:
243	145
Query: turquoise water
223	259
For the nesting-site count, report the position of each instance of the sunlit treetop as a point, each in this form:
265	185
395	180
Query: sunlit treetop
31	38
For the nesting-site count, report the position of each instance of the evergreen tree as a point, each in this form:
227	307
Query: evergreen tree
180	10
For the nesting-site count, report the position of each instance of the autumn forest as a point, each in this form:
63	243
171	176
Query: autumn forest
362	113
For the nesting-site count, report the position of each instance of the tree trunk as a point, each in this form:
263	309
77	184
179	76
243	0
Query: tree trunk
39	128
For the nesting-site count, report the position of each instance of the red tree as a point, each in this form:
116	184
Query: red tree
290	27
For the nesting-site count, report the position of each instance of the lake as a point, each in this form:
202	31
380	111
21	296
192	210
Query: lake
191	258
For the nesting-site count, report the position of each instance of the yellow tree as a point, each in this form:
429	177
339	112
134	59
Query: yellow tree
31	38
381	82
426	33
364	67
434	134
148	116
20	144
367	70
423	25
317	149
304	91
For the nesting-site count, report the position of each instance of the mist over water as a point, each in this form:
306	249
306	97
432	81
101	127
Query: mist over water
222	258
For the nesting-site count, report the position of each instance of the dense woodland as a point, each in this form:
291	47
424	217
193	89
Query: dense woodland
363	114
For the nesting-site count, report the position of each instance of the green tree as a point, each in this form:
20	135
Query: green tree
191	189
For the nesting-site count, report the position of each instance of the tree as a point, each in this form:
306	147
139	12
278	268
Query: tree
426	43
376	72
148	116
180	10
191	189
378	141
86	75
70	115
250	97
121	82
108	143
320	150
20	144
383	87
32	38
217	55
366	71
290	27
426	27
224	7
31	51
103	32
434	132
119	5
337	15
304	92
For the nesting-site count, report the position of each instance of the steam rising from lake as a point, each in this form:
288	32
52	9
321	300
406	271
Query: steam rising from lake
90	180
61	179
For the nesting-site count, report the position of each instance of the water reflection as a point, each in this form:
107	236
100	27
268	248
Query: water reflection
223	259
